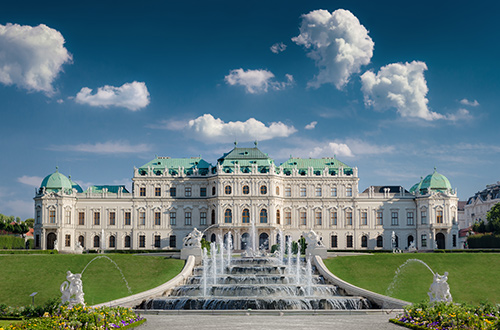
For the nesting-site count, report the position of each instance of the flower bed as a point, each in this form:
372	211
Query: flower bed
81	317
450	316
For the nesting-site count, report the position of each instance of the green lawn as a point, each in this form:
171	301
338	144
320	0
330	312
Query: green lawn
473	277
20	275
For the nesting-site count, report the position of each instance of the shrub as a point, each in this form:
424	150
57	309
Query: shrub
11	242
479	241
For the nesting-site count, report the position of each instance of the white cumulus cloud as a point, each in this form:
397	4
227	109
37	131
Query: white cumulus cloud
133	96
31	57
311	125
331	149
278	47
109	147
33	181
257	81
337	42
474	103
401	86
208	129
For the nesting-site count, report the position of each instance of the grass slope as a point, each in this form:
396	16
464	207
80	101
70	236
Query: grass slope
473	277
20	275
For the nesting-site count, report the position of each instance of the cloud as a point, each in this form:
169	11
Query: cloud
332	148
401	86
360	147
133	96
33	181
31	57
17	207
337	42
312	125
257	81
208	129
474	103
460	115
278	47
110	147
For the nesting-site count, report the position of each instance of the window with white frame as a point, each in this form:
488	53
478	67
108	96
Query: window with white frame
173	218
333	218
423	217
203	218
394	218
439	216
128	218
410	221
333	192
288	218
67	215
303	218
303	192
187	192
318	191
380	218
97	218
348	218
112	218
187	218
81	218
423	240
288	191
364	218
157	218
157	191
348	192
52	216
142	218
317	217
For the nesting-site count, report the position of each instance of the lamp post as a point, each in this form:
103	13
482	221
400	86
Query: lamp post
33	298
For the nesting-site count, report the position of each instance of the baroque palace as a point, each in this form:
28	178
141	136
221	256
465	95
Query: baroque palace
171	196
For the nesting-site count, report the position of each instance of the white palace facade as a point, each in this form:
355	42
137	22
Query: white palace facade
171	196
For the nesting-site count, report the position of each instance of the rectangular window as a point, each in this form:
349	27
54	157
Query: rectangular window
81	218
157	218
173	243
203	191
349	241
187	192
173	192
142	241
52	216
348	192
68	216
187	218
335	241
38	214
37	241
333	192
318	191
67	241
394	219
288	218
333	218
423	239
157	241
364	218
423	217
142	191
97	218
128	218
142	218
173	218
410	221
454	240
348	218
112	218
380	218
157	191
318	218
303	192
303	218
439	216
288	191
203	218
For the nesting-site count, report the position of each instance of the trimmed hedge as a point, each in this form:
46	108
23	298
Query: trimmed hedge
479	241
28	252
11	242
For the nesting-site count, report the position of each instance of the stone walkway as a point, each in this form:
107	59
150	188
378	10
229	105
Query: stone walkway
295	321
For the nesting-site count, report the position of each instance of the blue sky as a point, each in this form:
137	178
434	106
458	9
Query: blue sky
395	89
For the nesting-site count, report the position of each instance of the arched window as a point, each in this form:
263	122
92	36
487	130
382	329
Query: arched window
81	240
213	217
364	241
246	190
263	190
264	241
227	190
228	216
380	241
263	216
278	218
277	190
213	238
245	216
245	241
410	240
213	191
127	241
96	241
112	241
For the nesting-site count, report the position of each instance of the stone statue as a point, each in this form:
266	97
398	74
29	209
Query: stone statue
313	240
72	289
193	239
440	290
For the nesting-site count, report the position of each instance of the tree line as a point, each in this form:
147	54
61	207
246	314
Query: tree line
14	225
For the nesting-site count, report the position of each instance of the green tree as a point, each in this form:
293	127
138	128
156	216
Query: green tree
30	222
493	217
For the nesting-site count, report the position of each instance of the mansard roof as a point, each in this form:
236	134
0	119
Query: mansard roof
317	164
172	165
245	158
492	190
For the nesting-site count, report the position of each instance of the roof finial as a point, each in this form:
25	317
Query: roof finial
255	143
434	168
57	168
235	143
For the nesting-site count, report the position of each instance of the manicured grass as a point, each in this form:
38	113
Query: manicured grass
20	275
473	278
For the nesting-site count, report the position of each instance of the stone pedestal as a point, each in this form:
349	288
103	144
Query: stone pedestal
320	251
191	251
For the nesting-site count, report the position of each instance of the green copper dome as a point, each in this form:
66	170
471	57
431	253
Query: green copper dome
75	185
56	181
435	182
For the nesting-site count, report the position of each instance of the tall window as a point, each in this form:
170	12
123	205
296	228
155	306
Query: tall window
173	192
454	240
227	190
213	191
410	221
423	240
81	218
112	241
142	218
348	192
142	241
303	192
277	190
173	220
380	241
288	218
96	241
349	241
245	216
81	240
157	218
127	241
228	216
187	218
173	242
335	242
263	216
423	217
303	218
52	216
97	218
246	190
68	216
333	191
112	218
333	218
203	218
213	217
67	241
364	241
348	216
439	216
157	191
317	218
288	191
318	191
380	218
364	218
394	218
38	216
157	241
187	192
278	218
263	190
142	191
203	191
128	218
